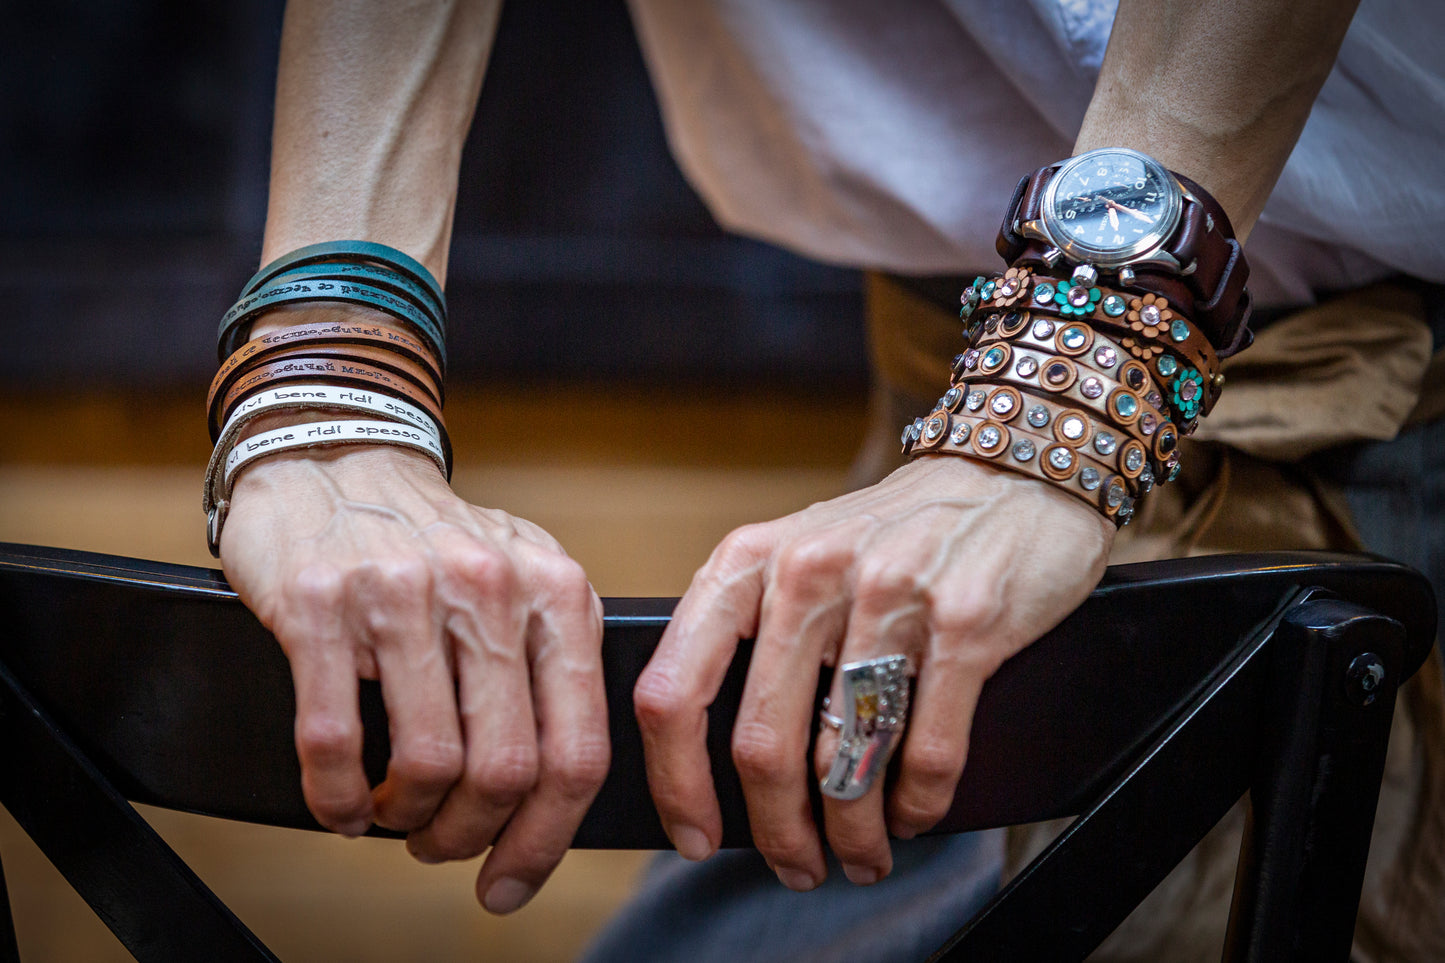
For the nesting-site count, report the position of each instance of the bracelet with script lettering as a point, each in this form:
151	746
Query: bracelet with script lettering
334	334
373	356
326	371
309	397
235	322
353	252
312	435
381	277
316	397
403	274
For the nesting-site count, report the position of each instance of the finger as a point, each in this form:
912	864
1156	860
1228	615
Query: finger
935	749
499	730
682	679
329	736
803	617
889	617
392	611
571	711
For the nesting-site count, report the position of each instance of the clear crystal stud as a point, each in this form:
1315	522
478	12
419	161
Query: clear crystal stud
1091	388
1002	405
1089	478
1073	427
1023	450
1105	443
1149	314
951	398
934	428
989	438
1147	423
1062	459
1106	357
960	433
1038	416
1043	329
1134	459
1027	367
976	399
1115	495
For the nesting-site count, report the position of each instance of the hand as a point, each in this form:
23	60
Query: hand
956	564
486	638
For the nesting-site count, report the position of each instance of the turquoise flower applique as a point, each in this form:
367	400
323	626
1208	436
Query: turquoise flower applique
1187	392
1076	300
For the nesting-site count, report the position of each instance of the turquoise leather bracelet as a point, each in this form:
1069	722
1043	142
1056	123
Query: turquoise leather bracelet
351	272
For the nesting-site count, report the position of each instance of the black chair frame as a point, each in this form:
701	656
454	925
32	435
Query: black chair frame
1174	690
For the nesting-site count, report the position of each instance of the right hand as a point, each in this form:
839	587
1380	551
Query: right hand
486	638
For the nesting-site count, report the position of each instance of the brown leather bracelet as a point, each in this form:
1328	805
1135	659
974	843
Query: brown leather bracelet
1149	324
1063	379
984	439
326	371
372	356
1125	450
335	334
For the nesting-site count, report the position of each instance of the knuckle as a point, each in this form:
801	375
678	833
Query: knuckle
761	755
325	740
658	699
784	847
430	763
963	611
851	848
481	568
920	810
317	586
742	547
505	775
886	579
580	766
807	564
932	763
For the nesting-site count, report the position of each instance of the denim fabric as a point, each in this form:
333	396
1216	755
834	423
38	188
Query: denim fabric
732	908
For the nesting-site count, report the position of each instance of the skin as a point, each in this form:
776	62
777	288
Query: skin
486	636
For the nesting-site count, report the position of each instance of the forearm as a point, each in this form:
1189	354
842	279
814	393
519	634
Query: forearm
1216	91
373	103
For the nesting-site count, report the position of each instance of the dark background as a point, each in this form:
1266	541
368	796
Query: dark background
134	143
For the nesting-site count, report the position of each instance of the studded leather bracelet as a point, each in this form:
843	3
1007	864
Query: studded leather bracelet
1147	326
1135	456
1064	467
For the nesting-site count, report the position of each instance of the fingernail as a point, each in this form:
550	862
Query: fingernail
691	843
860	875
796	879
508	895
357	827
424	858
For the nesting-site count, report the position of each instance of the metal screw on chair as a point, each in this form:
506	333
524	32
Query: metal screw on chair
1363	678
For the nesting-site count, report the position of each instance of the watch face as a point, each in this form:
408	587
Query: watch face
1108	207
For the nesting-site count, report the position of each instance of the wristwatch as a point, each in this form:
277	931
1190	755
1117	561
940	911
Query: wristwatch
1119	211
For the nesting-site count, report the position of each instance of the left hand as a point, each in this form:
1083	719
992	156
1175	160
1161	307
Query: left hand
954	563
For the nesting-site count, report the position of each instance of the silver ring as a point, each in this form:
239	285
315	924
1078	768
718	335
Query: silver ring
827	718
876	694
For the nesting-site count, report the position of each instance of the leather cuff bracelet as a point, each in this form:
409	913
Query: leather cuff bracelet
269	345
351	252
1064	467
235	322
326	371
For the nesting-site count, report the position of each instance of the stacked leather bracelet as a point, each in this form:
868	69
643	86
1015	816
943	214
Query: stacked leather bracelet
392	379
1085	385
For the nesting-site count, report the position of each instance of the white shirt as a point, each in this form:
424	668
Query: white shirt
890	133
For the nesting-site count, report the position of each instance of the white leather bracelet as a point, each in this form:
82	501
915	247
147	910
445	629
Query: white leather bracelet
405	425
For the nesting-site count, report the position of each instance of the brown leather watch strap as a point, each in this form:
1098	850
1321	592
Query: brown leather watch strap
1216	271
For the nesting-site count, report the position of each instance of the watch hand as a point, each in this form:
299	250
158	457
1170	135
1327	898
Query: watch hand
1116	206
1113	218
